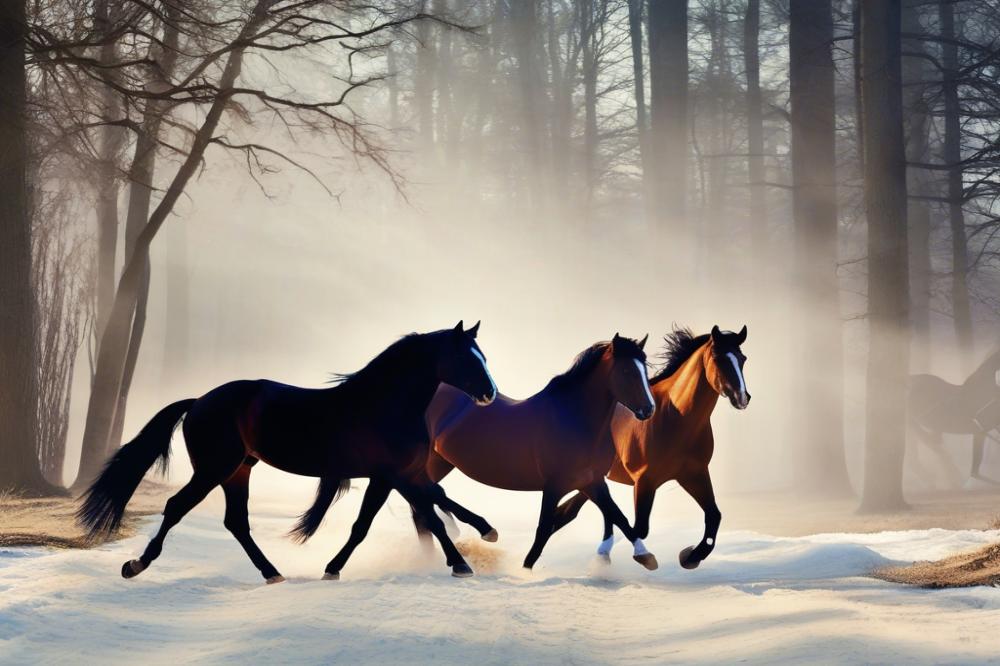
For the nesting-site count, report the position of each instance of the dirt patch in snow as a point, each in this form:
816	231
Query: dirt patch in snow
977	567
51	521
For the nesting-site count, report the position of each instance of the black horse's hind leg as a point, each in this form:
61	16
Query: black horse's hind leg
375	496
601	496
699	486
546	521
176	508
420	497
237	490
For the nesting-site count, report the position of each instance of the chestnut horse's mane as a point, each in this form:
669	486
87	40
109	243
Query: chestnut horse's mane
678	346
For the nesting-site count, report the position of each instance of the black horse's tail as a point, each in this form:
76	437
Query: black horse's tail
104	502
329	491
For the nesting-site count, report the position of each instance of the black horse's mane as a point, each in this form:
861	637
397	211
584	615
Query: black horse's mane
678	346
399	354
582	365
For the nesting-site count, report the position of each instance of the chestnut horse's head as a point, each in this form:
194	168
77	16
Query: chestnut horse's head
724	366
462	364
629	381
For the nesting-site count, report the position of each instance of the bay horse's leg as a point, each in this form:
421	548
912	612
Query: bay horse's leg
176	508
699	486
437	469
643	495
237	521
420	499
568	511
546	521
375	496
601	496
486	531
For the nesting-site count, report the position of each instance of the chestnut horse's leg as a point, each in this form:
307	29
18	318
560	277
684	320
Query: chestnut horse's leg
237	490
546	520
601	496
699	486
420	498
375	496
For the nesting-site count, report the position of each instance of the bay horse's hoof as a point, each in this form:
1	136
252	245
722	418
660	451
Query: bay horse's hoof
132	568
647	560
275	579
686	560
603	559
491	536
331	576
462	570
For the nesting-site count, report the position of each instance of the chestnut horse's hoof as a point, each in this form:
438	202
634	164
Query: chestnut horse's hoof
132	568
462	570
491	536
275	579
686	560
331	575
647	560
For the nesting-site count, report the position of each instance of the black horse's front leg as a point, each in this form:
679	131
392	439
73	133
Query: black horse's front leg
421	499
375	496
699	486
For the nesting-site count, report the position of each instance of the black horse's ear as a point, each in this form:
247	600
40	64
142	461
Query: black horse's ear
474	330
615	340
742	335
716	333
458	327
642	343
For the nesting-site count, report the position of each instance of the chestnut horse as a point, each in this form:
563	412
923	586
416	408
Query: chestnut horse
371	424
555	441
677	443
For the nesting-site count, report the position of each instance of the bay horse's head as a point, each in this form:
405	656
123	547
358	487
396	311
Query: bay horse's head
629	381
462	364
724	366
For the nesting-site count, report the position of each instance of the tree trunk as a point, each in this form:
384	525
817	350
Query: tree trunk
588	27
819	433
423	88
19	468
668	107
888	300
524	27
756	174
916	70
639	90
113	348
961	308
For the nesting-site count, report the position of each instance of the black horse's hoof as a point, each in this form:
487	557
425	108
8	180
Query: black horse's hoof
132	568
331	575
647	560
686	560
491	536
276	578
462	570
604	559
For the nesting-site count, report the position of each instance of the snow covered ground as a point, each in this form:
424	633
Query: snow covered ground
758	599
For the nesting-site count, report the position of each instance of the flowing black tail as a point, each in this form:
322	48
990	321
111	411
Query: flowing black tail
104	502
329	491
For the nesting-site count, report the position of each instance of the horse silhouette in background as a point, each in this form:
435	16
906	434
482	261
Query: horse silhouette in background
937	407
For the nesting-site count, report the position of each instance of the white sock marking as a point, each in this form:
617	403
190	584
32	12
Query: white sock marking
639	548
605	547
739	375
710	541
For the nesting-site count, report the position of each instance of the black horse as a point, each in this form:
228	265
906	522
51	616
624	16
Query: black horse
371	424
973	408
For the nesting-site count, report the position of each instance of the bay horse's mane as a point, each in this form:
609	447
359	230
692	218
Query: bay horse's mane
678	346
582	365
389	361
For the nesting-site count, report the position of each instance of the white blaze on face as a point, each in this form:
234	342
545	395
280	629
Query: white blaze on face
645	380
739	376
482	360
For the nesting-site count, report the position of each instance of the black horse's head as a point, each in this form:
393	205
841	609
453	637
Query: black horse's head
629	381
462	364
725	371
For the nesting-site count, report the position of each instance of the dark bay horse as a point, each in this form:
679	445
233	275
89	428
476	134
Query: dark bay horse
555	441
936	407
370	425
677	443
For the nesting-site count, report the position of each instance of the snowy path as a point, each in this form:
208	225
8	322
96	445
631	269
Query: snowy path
758	599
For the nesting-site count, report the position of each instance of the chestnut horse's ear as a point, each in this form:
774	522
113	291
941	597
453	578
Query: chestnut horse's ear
642	343
716	333
474	330
742	335
458	327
